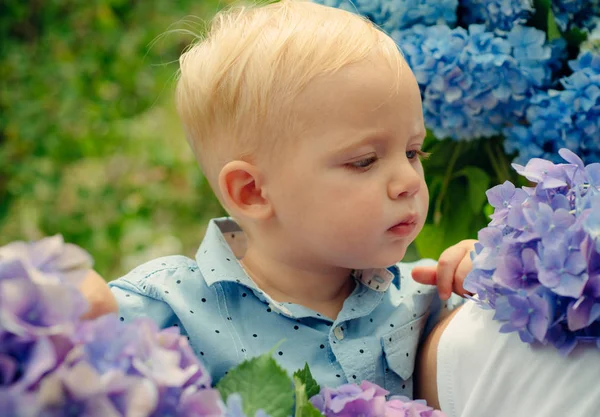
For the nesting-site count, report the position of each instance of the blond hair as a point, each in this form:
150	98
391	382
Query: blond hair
237	84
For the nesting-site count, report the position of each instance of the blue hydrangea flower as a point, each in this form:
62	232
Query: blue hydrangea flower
592	43
400	14
474	82
496	15
575	13
569	118
538	262
374	10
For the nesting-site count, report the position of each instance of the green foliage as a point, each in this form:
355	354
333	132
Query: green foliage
458	174
90	146
262	384
303	407
305	377
87	148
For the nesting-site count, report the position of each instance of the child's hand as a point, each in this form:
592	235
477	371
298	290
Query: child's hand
98	295
451	270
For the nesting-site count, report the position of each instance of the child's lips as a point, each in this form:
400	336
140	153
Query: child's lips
405	227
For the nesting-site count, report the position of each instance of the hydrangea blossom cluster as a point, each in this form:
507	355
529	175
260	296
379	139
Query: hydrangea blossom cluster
368	400
53	364
38	287
475	82
575	13
538	262
496	15
400	14
592	43
567	118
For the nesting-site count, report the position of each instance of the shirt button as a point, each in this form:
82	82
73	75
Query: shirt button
339	333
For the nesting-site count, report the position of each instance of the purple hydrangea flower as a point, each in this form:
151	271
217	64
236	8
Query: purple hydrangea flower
368	400
52	257
125	369
38	292
29	308
504	198
517	272
54	364
39	307
538	262
529	315
591	222
399	406
109	368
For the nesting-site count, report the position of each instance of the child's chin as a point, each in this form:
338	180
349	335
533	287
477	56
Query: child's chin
390	260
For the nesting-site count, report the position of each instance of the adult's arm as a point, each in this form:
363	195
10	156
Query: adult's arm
426	366
482	372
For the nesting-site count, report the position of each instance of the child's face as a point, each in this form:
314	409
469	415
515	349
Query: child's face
350	191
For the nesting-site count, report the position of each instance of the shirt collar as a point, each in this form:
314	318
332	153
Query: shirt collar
378	279
225	243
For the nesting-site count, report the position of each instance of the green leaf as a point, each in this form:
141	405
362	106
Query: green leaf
543	19
478	183
262	384
575	37
303	407
306	378
457	222
553	31
430	242
488	210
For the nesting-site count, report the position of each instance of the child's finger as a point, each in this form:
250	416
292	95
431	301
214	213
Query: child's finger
98	294
462	271
425	274
446	269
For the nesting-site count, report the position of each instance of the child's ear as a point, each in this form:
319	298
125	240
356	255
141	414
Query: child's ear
242	191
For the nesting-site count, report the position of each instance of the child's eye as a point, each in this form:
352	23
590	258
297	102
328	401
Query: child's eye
417	153
363	164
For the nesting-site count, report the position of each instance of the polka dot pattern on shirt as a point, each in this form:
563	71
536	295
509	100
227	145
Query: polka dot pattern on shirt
227	319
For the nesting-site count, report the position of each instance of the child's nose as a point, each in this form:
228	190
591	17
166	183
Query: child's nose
405	182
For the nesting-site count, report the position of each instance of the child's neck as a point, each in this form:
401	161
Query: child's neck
322	291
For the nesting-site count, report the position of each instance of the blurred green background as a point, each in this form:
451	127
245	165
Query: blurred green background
90	144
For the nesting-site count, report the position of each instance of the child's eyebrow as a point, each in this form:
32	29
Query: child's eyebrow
376	138
372	138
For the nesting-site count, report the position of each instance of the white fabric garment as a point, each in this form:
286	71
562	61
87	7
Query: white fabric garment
483	373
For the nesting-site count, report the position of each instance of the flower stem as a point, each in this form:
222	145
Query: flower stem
499	166
437	213
503	163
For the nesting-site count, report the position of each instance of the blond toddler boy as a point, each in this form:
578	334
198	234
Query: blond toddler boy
307	122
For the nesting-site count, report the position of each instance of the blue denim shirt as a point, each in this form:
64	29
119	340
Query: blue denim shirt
228	319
